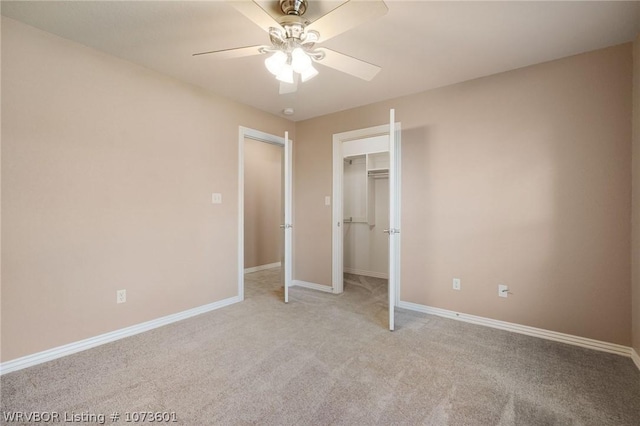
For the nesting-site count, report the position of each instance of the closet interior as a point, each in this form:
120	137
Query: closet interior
366	214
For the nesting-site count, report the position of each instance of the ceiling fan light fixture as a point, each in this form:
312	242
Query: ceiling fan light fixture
308	74
276	62
293	37
300	61
286	74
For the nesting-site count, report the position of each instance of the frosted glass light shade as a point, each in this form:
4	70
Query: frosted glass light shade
300	61
286	74
309	73
276	62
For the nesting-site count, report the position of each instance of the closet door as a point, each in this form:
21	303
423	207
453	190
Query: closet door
394	219
287	223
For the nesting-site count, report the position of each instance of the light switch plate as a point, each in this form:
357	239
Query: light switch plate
503	290
216	198
327	200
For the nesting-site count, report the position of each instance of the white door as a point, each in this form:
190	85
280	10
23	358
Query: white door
287	226
394	217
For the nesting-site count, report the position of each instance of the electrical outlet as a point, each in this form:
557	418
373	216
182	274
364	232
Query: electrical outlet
121	296
456	283
216	198
503	290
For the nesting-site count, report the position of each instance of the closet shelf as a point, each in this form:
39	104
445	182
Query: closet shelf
361	173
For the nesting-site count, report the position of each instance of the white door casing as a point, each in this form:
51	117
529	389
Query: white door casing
287	225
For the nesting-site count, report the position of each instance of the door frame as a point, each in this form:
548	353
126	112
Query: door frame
257	135
337	249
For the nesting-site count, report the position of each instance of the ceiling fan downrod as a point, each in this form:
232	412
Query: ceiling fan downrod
293	7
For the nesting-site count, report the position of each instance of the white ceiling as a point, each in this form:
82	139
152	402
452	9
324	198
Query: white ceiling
420	45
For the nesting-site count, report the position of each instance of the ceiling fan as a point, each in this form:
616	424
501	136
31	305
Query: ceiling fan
293	40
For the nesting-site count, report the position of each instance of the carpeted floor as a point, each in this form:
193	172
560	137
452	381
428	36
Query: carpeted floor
326	359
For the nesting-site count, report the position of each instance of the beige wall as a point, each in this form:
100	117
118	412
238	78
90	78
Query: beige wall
107	170
636	196
107	175
262	203
0	195
521	178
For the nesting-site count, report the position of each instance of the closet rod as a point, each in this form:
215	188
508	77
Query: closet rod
378	173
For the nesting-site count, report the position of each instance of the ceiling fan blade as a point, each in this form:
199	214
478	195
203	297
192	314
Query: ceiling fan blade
349	64
237	52
286	88
256	13
347	16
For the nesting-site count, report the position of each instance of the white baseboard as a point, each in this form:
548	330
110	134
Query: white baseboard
262	267
523	329
635	357
71	348
313	286
366	273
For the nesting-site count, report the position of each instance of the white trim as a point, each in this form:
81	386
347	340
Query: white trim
246	132
312	286
241	137
635	358
522	329
369	132
367	145
337	275
71	348
287	168
366	273
262	267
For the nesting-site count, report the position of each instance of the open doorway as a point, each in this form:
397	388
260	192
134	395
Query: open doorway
264	211
360	158
262	205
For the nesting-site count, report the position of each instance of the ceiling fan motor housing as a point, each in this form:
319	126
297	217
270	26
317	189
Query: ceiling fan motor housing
293	7
294	30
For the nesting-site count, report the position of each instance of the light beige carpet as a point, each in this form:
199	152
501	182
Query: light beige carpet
326	359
